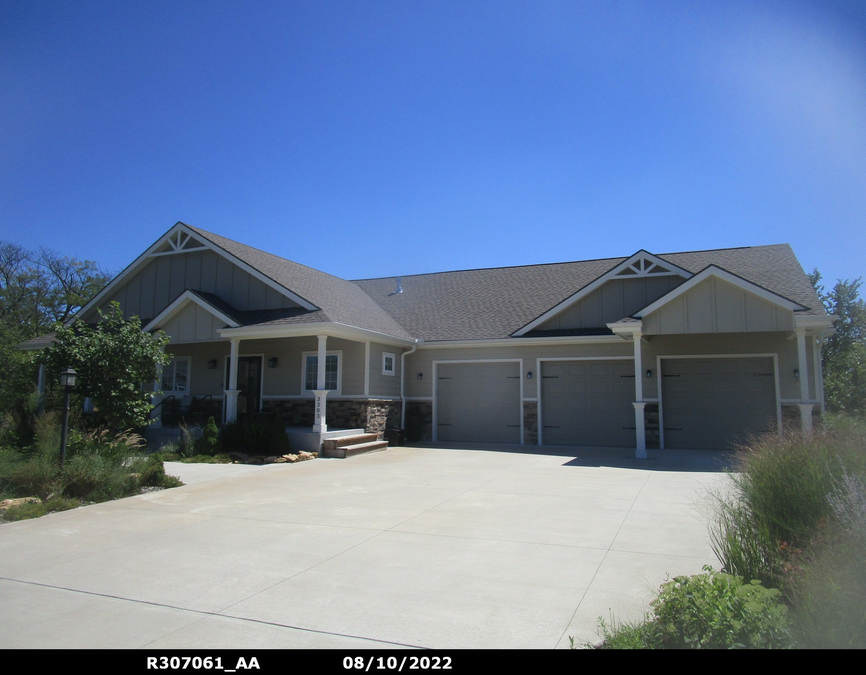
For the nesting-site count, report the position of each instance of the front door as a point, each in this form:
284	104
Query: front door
249	384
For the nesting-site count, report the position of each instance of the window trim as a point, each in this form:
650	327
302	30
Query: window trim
385	371
173	363
305	355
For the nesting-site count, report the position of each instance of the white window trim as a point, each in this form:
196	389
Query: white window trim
393	370
173	364
309	392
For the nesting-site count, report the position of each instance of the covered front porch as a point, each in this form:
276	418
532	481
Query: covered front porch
332	380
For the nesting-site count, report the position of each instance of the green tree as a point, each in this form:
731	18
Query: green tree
116	364
37	290
844	353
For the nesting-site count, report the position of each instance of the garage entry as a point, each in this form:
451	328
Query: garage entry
588	403
479	402
712	403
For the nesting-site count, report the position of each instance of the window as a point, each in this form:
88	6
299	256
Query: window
175	376
388	360
332	371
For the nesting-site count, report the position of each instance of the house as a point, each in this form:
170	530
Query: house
678	350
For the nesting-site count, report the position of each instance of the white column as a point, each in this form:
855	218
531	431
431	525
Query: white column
805	408
819	372
320	424
639	405
367	368
232	392
40	388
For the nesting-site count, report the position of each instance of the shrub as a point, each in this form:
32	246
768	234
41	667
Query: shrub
706	611
255	437
209	441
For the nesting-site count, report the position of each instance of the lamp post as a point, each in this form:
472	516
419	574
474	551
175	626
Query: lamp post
67	381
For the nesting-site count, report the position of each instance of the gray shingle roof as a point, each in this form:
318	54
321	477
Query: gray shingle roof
338	300
494	303
483	303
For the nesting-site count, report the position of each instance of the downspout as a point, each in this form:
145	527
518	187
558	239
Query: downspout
403	384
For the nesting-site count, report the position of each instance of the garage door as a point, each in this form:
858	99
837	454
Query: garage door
478	402
712	403
588	403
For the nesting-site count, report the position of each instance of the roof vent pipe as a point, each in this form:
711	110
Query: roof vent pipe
399	286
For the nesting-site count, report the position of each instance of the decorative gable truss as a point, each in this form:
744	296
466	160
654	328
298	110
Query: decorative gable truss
642	265
182	260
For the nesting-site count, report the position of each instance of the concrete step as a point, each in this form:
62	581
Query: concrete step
353	445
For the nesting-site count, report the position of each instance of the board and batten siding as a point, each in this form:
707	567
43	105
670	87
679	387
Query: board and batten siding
612	301
716	306
150	290
193	324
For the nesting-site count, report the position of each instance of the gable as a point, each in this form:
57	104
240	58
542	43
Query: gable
162	279
192	323
715	305
613	300
610	299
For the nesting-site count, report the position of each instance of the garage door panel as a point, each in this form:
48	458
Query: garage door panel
588	403
479	402
713	403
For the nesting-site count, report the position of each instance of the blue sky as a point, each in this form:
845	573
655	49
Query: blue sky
384	138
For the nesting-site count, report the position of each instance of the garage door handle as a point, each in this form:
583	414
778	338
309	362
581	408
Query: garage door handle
446	378
512	425
670	375
672	429
443	424
631	376
550	377
762	374
512	377
548	427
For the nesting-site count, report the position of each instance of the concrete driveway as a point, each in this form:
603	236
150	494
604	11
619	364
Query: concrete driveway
476	547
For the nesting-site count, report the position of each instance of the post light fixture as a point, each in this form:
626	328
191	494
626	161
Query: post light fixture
67	381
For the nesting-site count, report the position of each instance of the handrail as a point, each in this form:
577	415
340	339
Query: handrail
153	410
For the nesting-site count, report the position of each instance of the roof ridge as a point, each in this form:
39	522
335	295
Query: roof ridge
206	233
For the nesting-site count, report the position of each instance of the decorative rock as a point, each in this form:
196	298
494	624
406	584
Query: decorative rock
238	457
7	503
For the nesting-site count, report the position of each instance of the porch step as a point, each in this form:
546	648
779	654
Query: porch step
347	446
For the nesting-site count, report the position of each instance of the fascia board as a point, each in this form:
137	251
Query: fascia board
724	275
814	320
330	328
127	271
519	342
626	328
182	300
599	281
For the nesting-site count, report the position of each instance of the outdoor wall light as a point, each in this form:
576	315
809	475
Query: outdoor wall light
211	365
649	373
529	375
272	362
420	376
797	373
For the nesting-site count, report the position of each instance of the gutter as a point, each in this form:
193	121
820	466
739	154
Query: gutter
403	383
